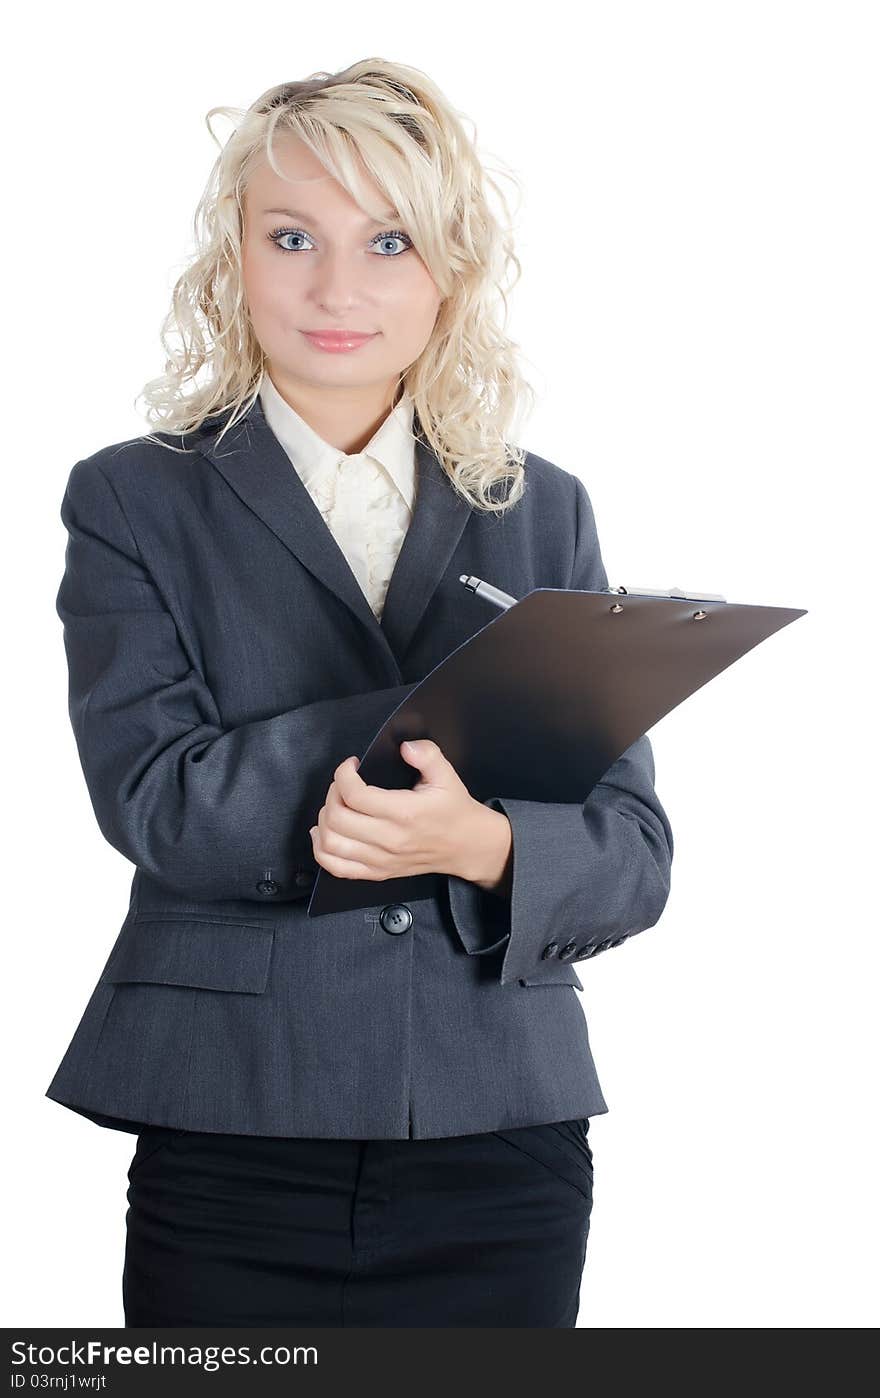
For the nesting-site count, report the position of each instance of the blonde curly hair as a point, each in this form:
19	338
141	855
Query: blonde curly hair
466	386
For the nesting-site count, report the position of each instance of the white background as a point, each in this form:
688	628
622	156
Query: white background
699	314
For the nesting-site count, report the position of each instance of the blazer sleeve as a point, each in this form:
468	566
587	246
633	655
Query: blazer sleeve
212	813
586	876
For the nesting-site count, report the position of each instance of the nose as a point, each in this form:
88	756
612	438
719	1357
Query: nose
337	280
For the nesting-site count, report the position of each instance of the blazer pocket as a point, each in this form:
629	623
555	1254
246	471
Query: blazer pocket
176	949
557	973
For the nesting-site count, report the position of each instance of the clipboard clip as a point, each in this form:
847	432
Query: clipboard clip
675	592
503	600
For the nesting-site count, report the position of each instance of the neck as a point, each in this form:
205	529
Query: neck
347	418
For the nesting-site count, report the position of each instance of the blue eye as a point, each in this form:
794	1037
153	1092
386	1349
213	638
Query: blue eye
278	234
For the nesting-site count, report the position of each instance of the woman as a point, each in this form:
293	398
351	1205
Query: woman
376	1117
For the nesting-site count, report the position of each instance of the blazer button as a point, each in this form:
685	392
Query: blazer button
584	952
268	887
303	878
396	918
568	951
549	950
617	941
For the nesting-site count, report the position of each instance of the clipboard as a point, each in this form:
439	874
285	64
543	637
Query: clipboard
544	698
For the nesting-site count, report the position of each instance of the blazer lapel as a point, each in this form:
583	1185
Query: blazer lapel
256	466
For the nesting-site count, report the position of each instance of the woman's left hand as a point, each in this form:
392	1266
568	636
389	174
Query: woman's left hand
370	832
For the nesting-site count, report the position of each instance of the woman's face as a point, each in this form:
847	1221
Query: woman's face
324	265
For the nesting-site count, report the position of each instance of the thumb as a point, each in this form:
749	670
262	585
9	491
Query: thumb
436	769
425	755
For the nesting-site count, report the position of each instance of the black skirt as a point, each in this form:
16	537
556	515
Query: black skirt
481	1230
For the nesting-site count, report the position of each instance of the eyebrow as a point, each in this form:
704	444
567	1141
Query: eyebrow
310	218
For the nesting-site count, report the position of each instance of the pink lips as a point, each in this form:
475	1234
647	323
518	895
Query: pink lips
336	341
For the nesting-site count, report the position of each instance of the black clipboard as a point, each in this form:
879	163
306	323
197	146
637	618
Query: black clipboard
543	699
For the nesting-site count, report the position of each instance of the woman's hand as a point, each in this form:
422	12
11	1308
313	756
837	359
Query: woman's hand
369	832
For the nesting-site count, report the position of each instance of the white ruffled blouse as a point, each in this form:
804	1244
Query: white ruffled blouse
366	499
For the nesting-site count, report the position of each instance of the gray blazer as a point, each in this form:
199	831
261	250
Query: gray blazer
223	660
